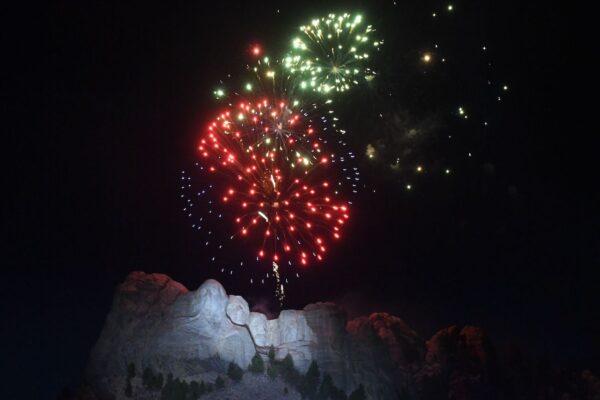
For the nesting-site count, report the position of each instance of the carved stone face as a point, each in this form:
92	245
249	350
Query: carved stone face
237	310
213	301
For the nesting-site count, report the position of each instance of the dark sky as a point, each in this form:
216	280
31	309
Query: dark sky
107	104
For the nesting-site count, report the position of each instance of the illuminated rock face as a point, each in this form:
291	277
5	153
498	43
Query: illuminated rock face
237	310
157	322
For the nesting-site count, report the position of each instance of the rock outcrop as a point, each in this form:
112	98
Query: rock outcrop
398	347
193	336
157	322
459	363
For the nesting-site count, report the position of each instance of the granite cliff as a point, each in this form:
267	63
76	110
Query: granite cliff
195	336
157	322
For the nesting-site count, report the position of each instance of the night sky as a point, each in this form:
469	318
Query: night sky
108	102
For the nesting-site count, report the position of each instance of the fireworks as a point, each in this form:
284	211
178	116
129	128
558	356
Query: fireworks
275	173
275	181
332	53
273	187
267	77
277	128
272	173
272	127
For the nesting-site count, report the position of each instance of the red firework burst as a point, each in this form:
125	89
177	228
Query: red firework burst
275	126
272	174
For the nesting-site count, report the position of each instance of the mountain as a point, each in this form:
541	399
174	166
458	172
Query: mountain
192	341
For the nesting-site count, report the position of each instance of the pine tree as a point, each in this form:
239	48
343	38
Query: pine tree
131	371
338	394
289	373
325	388
130	374
182	390
358	394
257	365
175	389
310	381
168	391
287	364
194	390
328	390
157	383
235	372
147	377
271	372
219	383
128	389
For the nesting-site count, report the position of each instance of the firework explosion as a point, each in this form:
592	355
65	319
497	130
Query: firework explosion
332	54
274	184
276	174
275	198
277	179
273	127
